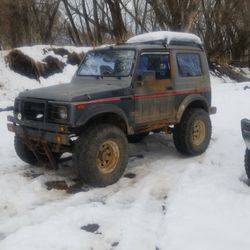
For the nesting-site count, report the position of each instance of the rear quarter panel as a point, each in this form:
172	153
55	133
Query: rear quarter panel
198	86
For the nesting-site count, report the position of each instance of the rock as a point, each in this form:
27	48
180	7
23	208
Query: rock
74	58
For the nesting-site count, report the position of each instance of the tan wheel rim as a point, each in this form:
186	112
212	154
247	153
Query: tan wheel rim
199	132
107	156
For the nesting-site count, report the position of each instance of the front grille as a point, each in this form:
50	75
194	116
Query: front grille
34	111
17	106
52	112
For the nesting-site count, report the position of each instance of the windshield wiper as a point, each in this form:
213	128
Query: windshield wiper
109	74
106	73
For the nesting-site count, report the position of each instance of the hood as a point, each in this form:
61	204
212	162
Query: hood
78	90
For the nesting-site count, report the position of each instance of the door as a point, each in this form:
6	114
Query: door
153	88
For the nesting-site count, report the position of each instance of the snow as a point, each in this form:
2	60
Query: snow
243	70
218	80
161	35
172	203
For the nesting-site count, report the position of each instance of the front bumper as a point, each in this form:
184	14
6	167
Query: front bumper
41	132
245	129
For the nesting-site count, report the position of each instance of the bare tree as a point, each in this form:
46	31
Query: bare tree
76	36
28	21
45	14
137	12
119	29
222	24
175	15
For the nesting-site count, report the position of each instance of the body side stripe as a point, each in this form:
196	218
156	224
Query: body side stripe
139	97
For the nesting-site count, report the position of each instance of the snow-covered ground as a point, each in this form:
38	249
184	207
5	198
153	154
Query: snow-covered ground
164	200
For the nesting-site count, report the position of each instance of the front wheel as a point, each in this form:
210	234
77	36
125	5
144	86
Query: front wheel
101	155
23	152
192	135
27	155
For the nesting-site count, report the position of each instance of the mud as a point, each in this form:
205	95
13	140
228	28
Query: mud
130	175
92	228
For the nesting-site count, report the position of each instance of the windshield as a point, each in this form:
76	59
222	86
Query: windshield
112	62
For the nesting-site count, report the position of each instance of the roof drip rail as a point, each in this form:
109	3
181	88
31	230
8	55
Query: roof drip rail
165	43
162	42
186	43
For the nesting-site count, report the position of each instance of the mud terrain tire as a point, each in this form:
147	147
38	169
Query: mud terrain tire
192	135
247	162
101	155
26	155
23	152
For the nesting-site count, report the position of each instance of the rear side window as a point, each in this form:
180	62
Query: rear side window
189	64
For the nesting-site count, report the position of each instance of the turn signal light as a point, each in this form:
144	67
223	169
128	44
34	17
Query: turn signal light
80	106
62	129
58	139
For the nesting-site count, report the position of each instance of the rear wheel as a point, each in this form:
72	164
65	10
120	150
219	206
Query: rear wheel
101	155
192	135
247	162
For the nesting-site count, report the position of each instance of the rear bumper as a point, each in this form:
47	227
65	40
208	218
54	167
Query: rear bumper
245	129
36	131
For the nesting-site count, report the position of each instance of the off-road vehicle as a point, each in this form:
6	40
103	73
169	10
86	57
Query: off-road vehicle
245	129
153	82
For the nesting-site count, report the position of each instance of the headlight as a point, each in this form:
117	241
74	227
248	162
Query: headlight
19	116
63	113
57	112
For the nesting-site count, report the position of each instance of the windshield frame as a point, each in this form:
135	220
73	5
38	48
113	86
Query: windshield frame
111	76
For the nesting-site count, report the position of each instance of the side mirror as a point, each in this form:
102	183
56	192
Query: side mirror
149	75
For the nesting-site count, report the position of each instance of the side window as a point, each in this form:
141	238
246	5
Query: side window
157	63
189	64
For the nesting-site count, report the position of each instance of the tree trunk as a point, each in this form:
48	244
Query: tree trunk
97	24
119	29
77	37
89	32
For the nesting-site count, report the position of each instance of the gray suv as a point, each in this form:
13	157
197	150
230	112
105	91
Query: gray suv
118	95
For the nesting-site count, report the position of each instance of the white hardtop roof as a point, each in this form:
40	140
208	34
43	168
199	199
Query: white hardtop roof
165	35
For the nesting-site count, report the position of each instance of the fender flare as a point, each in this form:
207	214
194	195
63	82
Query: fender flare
102	109
196	98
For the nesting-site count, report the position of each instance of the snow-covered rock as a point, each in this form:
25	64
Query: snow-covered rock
11	83
40	52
